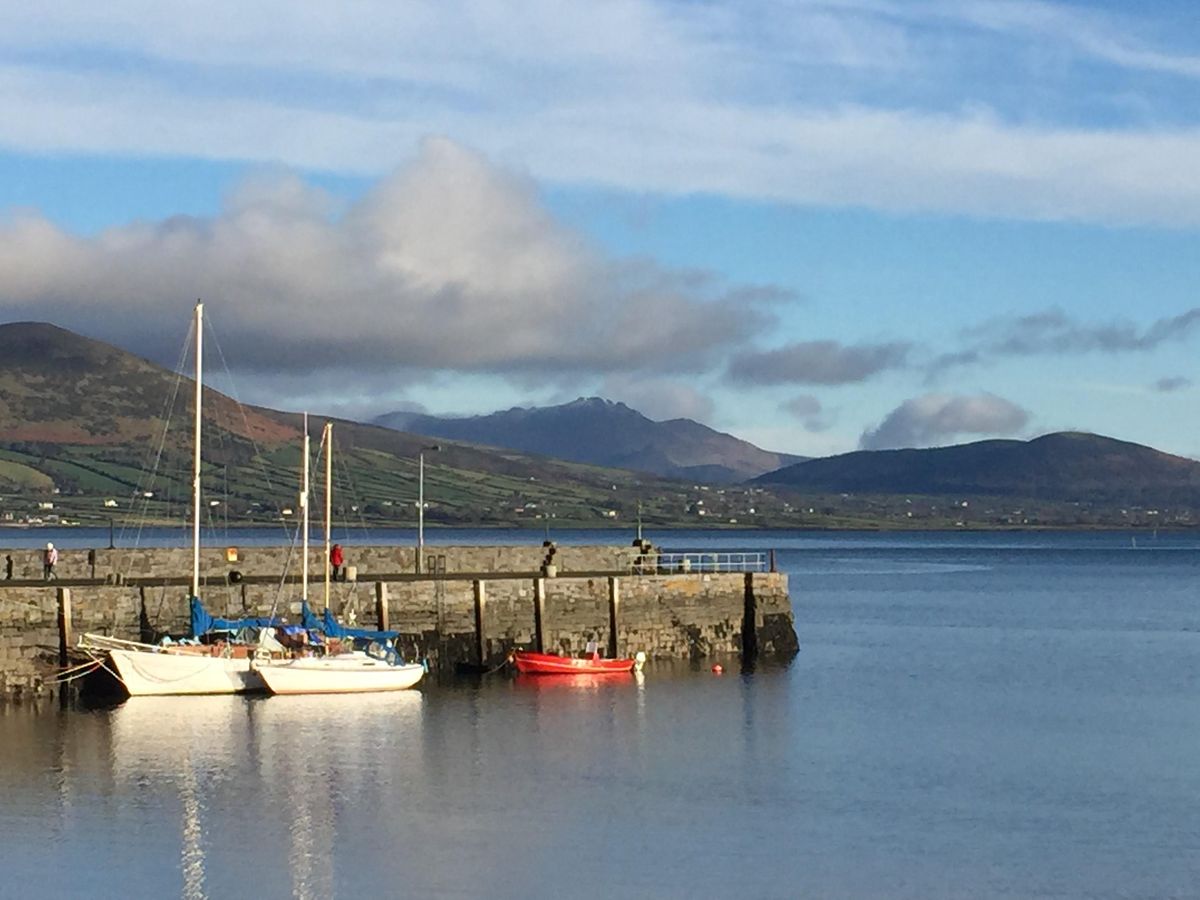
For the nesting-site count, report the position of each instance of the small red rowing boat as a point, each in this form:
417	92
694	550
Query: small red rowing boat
530	663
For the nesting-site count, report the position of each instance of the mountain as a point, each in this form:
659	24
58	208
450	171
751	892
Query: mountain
1063	467
84	424
601	432
59	387
88	421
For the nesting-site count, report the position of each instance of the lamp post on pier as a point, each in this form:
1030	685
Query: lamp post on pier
433	448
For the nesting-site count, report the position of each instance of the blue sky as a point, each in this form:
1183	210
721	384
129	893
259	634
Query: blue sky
819	224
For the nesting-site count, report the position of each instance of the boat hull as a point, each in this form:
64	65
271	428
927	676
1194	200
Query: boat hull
338	675
149	673
530	663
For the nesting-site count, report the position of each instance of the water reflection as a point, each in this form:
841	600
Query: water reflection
1027	730
510	783
192	850
576	682
173	749
337	796
315	751
251	780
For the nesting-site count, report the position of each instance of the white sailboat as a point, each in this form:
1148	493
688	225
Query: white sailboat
343	673
351	673
151	669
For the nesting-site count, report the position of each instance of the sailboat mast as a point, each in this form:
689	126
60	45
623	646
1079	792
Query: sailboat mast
196	453
327	440
304	491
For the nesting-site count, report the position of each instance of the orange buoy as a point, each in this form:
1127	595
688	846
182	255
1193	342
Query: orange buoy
718	669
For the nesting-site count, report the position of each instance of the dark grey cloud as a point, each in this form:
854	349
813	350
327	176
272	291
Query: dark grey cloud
937	418
450	264
807	410
817	362
947	361
1173	383
802	406
1055	332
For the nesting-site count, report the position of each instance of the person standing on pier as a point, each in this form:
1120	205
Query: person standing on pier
337	562
49	561
8	567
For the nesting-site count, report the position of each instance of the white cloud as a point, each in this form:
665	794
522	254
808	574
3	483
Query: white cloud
1105	37
449	264
892	106
939	418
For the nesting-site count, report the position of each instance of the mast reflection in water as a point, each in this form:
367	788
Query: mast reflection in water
983	715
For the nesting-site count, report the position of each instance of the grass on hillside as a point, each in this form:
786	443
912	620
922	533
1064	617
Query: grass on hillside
23	477
372	487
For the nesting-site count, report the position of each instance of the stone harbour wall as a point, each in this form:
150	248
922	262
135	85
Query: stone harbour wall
468	619
176	562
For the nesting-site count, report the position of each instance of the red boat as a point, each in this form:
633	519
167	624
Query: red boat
530	663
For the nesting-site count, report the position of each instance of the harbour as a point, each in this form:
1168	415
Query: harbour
646	449
993	715
452	606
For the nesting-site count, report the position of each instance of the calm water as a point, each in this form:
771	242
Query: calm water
970	715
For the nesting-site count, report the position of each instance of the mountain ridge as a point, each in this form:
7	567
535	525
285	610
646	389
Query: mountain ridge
80	420
1060	466
82	417
598	431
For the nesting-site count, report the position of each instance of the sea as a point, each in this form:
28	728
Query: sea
970	715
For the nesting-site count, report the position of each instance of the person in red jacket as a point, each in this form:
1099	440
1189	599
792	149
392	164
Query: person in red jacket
337	563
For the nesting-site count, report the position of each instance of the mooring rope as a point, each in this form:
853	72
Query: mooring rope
66	676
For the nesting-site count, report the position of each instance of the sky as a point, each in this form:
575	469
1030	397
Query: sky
820	225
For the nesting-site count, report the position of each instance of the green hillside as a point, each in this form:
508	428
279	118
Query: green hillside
90	433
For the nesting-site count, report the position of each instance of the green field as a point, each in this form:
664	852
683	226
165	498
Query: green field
374	487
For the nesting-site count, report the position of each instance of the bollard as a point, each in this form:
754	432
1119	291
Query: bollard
480	622
64	625
381	605
614	602
539	613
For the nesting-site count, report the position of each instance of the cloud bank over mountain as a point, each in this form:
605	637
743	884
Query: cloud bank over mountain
940	418
449	264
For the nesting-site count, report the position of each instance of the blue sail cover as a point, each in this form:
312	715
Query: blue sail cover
203	622
329	626
309	619
333	629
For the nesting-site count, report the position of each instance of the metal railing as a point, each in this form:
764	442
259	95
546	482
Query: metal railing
671	563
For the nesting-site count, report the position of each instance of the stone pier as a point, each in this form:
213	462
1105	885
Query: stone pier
482	603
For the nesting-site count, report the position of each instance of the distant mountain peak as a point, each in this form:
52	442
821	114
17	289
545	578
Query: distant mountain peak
591	403
604	432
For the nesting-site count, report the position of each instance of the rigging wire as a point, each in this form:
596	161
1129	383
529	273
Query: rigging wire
347	478
248	431
146	486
